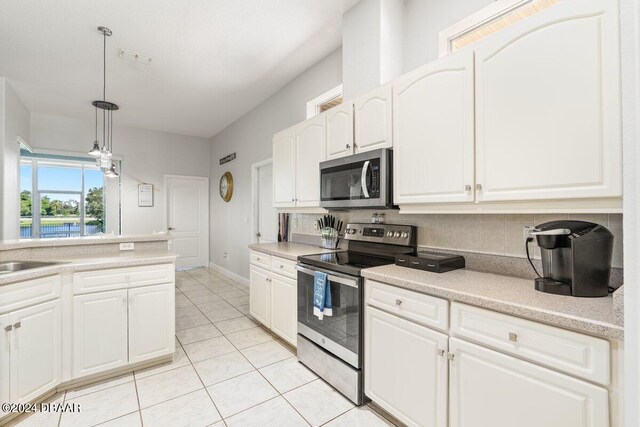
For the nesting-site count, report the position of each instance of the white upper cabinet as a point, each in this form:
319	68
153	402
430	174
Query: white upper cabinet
310	151
548	106
284	168
340	131
433	129
373	128
492	389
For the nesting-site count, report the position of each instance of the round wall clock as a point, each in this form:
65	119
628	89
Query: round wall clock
226	186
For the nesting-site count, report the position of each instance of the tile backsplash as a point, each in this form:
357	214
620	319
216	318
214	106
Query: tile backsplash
494	234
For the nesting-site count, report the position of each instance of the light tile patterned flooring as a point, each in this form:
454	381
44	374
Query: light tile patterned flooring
227	370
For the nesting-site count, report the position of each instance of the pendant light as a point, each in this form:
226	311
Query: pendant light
105	153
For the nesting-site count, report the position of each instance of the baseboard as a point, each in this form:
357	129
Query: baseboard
231	274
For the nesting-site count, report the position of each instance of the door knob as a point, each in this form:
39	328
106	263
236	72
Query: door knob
170	228
258	234
348	146
467	187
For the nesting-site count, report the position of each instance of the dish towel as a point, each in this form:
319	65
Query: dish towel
321	295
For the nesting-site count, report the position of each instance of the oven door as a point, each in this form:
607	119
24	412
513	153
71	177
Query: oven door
341	333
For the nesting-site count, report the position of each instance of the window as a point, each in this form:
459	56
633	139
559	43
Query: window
493	18
60	196
324	102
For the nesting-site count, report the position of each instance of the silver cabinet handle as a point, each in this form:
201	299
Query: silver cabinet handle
17	325
513	336
440	352
348	146
281	266
479	187
8	328
398	302
293	200
467	187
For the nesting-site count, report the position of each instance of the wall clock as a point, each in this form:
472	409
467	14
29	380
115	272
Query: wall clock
226	186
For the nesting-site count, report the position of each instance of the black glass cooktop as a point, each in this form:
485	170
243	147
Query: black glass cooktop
346	262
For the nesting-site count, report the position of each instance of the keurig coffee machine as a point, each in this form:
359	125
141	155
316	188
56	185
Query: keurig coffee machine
576	258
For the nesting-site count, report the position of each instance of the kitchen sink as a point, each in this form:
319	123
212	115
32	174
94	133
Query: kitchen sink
13	266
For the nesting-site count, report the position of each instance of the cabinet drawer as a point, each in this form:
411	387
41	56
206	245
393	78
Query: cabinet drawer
283	267
29	292
260	259
427	310
581	355
119	278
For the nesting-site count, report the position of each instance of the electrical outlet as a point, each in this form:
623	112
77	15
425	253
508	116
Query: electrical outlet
225	256
315	225
128	246
526	230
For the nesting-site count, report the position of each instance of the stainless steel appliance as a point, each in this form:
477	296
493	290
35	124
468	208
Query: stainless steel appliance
333	347
359	181
576	258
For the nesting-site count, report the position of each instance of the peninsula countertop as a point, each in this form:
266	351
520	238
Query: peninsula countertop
510	295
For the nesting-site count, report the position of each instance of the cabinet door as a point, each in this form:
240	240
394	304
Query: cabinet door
284	167
5	351
434	132
492	389
151	322
373	120
260	295
284	303
310	151
406	369
340	131
548	105
99	332
36	351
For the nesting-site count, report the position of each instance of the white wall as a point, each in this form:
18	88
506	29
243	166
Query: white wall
15	117
250	137
424	19
148	156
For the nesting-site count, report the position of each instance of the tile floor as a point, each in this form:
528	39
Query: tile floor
227	371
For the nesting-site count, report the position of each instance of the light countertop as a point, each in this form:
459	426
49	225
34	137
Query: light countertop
509	295
79	241
289	250
91	262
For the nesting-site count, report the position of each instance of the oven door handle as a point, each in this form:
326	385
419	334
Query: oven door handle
332	278
363	179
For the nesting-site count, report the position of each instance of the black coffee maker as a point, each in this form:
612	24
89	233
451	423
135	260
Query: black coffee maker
576	258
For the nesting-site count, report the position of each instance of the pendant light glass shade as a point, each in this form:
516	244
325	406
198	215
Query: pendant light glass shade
111	172
95	151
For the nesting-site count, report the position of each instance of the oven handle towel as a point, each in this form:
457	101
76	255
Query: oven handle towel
321	295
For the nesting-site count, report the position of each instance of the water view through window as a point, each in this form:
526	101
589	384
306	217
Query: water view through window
60	198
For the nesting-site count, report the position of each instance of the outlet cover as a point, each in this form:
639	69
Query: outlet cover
128	246
526	230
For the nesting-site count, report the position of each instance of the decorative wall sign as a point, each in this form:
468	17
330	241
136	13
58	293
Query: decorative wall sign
145	195
226	186
227	159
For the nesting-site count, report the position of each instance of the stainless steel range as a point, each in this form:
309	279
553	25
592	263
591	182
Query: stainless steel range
333	347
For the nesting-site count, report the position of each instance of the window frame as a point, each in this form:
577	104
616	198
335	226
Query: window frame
313	106
36	215
487	14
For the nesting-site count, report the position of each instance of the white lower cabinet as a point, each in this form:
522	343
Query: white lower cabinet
284	307
151	322
260	295
35	350
406	369
99	332
492	389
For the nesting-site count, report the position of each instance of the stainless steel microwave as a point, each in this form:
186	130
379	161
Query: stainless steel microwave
359	181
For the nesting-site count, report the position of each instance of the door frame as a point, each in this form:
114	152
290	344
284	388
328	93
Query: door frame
255	221
165	212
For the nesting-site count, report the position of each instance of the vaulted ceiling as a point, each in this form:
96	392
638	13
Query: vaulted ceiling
212	60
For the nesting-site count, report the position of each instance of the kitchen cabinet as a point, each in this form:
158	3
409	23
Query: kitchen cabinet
34	338
492	389
406	369
340	131
99	332
151	322
310	151
284	310
5	353
373	120
433	127
260	295
548	106
284	168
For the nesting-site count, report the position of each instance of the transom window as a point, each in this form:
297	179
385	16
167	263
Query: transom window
60	197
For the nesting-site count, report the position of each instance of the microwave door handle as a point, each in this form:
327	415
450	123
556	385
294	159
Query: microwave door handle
363	179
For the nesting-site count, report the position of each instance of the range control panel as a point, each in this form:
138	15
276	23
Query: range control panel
381	233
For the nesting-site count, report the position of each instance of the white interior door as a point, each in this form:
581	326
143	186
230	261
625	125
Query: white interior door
188	219
267	214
